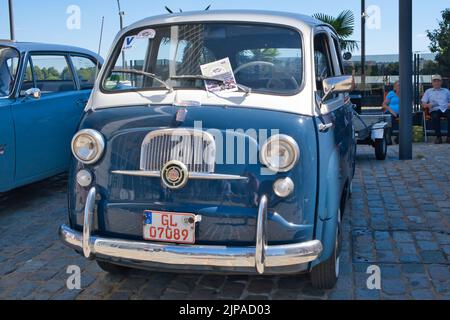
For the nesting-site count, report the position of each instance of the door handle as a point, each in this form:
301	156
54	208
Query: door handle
325	127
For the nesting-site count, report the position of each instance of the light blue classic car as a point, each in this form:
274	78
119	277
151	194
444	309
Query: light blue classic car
219	142
43	92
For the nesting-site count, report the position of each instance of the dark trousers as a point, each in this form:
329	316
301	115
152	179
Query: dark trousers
394	125
436	120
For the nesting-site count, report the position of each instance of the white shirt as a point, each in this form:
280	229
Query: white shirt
439	98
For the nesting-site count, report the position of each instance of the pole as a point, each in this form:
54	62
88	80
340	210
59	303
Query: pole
121	14
11	20
363	46
100	45
406	92
414	81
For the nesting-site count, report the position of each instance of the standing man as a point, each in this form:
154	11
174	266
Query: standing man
437	101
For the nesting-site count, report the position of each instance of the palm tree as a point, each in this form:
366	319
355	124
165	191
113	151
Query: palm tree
344	24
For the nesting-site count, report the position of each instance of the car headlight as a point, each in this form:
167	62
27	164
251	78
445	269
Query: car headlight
88	146
280	153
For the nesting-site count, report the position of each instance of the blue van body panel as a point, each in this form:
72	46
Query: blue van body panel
336	168
229	209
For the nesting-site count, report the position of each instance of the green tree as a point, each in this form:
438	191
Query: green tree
344	24
392	69
87	74
429	67
440	43
39	73
267	54
52	74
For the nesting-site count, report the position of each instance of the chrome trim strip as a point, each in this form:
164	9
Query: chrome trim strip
138	173
214	176
191	255
261	236
88	220
192	175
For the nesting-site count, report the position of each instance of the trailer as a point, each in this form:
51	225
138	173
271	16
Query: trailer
373	129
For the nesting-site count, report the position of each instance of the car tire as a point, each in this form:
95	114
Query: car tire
325	275
112	268
381	146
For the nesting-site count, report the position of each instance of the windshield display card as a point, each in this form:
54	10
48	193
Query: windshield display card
222	70
128	43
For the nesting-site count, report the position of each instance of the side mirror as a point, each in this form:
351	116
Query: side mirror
340	84
347	56
33	93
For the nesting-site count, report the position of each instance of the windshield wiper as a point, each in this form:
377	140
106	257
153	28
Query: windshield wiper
146	74
246	89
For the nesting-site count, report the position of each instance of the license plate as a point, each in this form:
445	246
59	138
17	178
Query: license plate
169	227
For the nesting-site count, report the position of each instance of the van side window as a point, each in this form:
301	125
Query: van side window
86	70
322	59
337	47
52	73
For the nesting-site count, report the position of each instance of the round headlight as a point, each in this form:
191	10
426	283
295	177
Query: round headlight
280	153
88	146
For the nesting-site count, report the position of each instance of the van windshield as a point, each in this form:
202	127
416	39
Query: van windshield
9	64
265	58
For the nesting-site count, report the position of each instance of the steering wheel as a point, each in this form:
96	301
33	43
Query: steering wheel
252	64
278	83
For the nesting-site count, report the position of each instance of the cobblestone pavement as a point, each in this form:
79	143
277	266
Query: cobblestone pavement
398	219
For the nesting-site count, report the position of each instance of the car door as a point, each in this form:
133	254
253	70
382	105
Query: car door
6	146
348	143
44	126
86	69
332	126
9	67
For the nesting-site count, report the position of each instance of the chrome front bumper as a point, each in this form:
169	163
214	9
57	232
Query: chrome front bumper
259	258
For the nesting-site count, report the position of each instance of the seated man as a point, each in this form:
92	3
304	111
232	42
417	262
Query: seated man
437	101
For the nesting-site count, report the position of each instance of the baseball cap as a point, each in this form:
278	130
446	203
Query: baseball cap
436	77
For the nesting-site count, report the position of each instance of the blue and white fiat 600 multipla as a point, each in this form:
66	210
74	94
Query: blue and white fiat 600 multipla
216	142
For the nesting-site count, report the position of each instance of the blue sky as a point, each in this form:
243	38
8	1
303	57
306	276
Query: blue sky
45	20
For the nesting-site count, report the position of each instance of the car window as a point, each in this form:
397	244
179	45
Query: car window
337	48
28	80
277	68
9	64
265	58
322	59
52	73
86	70
185	53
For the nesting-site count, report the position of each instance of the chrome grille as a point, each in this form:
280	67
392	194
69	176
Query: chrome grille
196	149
